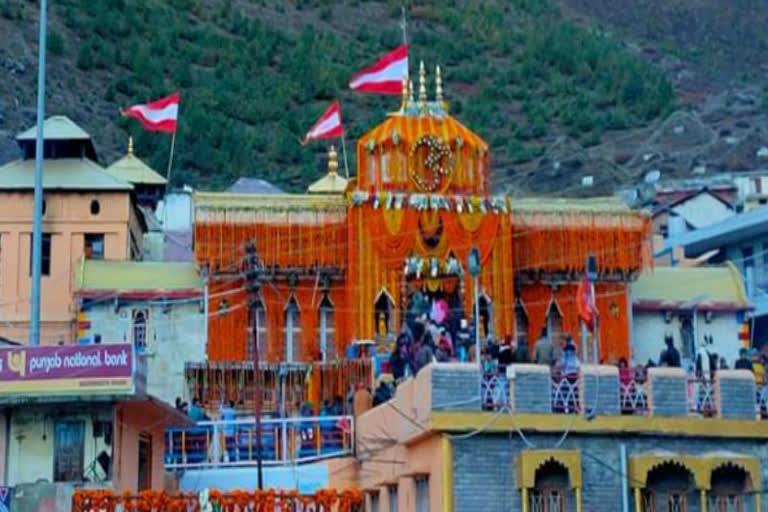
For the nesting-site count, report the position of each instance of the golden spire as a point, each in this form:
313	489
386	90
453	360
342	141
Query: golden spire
333	161
130	145
422	84
438	85
410	91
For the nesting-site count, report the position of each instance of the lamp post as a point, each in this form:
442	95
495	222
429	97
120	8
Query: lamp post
473	264
37	227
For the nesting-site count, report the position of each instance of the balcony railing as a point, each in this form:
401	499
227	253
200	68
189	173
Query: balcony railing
234	443
633	394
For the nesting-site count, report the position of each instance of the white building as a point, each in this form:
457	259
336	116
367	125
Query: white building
700	307
156	306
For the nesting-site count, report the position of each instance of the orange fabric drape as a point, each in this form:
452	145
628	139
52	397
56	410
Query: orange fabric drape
611	300
560	242
221	245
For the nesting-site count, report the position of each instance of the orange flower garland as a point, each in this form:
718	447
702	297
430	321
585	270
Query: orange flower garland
98	500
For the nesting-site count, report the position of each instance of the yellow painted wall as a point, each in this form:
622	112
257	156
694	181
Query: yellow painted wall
31	449
68	217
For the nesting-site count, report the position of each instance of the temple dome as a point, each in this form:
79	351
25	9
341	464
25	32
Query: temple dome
423	149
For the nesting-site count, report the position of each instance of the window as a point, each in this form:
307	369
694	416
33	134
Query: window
552	487
94	246
326	328
140	329
292	329
46	256
145	461
95	207
260	320
422	494
392	498
374	501
69	442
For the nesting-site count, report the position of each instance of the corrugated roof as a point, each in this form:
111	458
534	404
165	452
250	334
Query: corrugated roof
56	128
253	186
133	276
133	170
690	286
744	226
60	173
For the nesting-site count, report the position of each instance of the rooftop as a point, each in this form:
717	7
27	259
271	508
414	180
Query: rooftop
132	169
744	226
687	287
124	277
253	186
55	128
60	173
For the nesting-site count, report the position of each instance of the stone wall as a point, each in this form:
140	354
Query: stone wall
485	466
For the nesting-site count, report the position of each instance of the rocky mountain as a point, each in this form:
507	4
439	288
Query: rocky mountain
567	92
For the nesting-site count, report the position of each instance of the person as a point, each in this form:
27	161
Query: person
522	354
544	352
464	340
757	367
326	410
569	361
337	409
491	347
625	374
723	364
195	411
506	355
743	362
398	361
443	351
425	353
383	392
363	400
669	356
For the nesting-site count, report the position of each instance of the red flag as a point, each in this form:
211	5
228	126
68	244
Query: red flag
384	77
328	126
586	303
157	116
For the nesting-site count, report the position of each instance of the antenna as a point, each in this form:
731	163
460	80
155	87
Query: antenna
404	24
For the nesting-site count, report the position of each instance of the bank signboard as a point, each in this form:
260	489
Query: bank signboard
67	369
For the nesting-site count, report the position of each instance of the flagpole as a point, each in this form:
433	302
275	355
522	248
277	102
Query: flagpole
170	162
404	24
344	150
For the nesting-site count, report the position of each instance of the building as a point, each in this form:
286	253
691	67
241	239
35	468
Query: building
702	308
743	241
354	261
80	415
157	307
432	447
148	186
86	213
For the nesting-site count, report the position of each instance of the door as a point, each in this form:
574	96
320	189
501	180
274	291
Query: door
145	461
69	445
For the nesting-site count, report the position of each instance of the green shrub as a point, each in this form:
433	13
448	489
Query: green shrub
55	43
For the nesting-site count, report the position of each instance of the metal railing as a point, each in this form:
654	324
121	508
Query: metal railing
701	397
234	443
565	393
633	396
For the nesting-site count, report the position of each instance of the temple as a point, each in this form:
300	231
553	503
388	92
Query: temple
353	259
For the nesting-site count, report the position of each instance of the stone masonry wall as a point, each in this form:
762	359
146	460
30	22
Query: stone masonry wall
485	466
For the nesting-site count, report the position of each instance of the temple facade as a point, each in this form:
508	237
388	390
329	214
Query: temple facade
353	259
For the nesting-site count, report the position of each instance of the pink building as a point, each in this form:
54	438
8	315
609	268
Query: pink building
87	212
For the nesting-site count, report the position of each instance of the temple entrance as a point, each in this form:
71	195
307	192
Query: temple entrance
439	300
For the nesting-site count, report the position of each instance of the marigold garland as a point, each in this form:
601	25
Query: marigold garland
100	500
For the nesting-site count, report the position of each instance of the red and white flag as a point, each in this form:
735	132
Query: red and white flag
157	116
384	77
328	126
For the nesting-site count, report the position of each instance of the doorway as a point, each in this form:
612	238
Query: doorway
145	461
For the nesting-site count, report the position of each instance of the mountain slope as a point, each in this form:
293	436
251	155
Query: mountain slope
255	74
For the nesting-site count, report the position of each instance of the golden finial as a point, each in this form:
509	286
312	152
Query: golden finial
422	83
333	161
410	91
405	92
438	85
130	145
